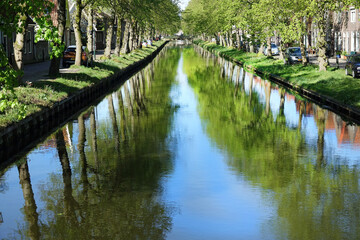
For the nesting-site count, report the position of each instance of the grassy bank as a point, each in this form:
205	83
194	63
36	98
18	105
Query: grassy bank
333	83
43	94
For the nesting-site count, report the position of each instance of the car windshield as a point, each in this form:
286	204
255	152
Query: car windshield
273	45
356	59
70	49
294	50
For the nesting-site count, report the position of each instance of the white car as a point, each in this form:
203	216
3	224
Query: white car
274	49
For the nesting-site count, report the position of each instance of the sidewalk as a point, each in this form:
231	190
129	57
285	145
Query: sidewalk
332	61
40	71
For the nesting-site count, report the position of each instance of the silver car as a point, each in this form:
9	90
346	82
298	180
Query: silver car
274	49
293	55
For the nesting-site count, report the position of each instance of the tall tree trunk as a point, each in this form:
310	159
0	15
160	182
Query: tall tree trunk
109	36
77	32
136	36
222	40
131	36
282	50
90	28
231	43
140	37
227	42
251	45
19	45
261	49
118	37
238	42
321	43
125	43
269	52
303	51
55	61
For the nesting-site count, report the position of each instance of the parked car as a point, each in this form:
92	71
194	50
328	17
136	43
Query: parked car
274	49
353	65
69	56
293	55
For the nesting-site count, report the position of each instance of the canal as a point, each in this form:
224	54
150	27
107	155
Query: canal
191	147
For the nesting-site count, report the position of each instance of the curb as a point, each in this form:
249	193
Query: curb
345	111
18	137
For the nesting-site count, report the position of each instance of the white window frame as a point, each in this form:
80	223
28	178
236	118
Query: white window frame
352	15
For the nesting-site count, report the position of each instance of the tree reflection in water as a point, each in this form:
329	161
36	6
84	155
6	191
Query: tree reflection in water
31	215
315	198
110	184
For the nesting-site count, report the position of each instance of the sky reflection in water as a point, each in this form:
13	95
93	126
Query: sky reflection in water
192	147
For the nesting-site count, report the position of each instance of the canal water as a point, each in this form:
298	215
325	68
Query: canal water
191	147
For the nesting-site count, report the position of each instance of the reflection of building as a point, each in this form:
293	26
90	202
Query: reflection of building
51	142
345	133
309	110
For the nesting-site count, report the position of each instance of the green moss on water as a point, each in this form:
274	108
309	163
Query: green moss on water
43	94
332	83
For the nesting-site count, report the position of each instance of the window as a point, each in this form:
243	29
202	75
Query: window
29	42
353	15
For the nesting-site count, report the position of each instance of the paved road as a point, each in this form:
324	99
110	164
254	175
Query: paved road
40	71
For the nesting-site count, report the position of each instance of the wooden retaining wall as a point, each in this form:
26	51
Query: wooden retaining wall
17	138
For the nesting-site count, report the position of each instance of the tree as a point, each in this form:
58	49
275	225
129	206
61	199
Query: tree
61	22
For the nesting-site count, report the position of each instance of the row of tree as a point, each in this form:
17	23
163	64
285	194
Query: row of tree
257	21
141	18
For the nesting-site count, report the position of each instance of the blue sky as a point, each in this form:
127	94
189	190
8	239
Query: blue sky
184	3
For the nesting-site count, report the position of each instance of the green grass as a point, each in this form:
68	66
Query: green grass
332	83
43	94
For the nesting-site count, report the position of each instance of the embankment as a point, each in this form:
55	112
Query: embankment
332	89
82	89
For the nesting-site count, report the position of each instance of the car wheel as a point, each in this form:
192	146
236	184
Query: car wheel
353	74
346	72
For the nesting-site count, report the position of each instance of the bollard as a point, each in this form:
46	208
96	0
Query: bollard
337	62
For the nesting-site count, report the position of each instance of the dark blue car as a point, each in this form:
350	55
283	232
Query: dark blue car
353	65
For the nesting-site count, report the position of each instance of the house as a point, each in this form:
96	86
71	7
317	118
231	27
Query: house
29	53
347	31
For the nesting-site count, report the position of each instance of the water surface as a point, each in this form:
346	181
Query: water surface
191	147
